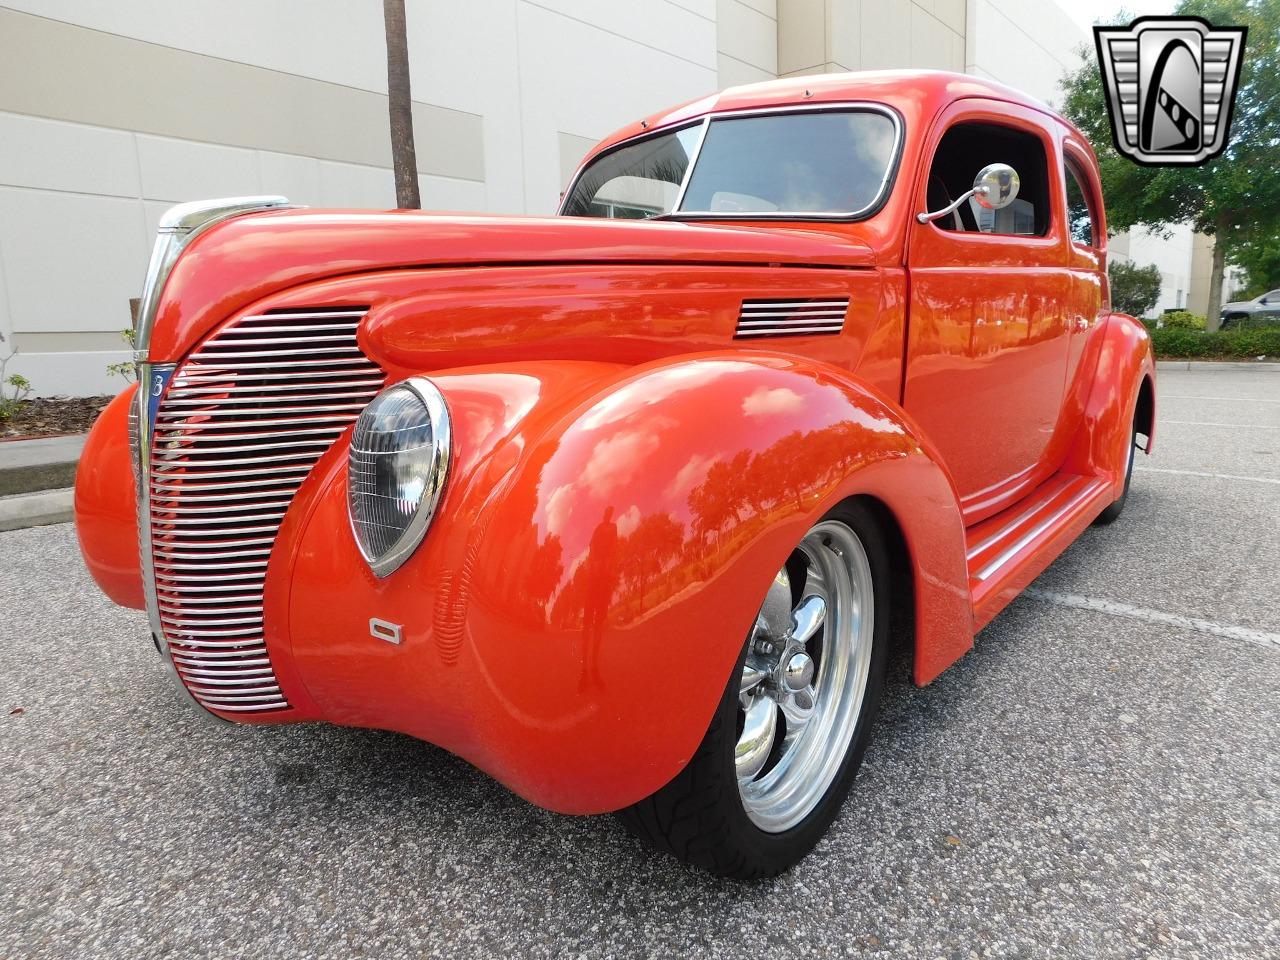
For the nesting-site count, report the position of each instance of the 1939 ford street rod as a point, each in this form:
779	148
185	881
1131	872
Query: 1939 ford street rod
624	506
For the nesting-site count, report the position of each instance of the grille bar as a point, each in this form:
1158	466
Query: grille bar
781	318
242	423
220	424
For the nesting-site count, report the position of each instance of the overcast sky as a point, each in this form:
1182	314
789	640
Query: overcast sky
1088	12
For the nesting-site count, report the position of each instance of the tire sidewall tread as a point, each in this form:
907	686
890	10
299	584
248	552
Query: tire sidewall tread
699	816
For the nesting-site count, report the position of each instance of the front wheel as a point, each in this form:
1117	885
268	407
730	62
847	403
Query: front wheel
790	730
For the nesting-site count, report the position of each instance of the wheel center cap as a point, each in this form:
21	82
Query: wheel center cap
799	671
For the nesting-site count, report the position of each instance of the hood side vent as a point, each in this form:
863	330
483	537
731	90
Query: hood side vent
784	318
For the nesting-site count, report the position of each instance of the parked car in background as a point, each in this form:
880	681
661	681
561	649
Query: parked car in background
626	506
1263	310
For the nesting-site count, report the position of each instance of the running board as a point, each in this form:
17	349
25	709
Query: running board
1009	550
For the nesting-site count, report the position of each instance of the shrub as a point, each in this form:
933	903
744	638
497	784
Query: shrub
1183	320
13	388
1186	344
125	369
1255	322
1256	342
1180	342
1134	290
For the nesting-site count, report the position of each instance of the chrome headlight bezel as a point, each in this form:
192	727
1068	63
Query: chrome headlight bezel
434	475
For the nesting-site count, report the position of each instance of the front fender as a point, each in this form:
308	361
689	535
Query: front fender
576	609
106	508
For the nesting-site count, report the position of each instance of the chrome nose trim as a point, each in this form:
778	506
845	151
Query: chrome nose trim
179	225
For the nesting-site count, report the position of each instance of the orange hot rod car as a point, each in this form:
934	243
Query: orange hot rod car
624	506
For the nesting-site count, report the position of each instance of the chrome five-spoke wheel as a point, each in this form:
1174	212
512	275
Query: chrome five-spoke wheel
804	677
794	718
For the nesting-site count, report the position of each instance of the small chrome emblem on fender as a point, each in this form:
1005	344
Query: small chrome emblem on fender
385	630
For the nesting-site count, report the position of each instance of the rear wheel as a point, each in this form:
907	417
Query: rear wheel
790	730
1112	513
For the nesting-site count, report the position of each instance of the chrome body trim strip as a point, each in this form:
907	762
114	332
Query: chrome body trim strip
780	318
693	160
356	312
794	320
788	331
1048	523
796	304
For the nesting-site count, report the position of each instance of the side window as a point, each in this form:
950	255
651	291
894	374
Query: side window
1079	217
968	147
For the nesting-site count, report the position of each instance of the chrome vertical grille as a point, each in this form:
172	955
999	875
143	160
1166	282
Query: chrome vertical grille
242	422
780	318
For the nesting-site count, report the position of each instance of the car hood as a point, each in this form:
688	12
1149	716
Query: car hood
1243	305
245	259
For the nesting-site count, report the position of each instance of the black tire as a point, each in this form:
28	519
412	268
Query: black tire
1112	513
699	816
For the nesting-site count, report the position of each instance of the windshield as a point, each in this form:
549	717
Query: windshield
639	180
829	163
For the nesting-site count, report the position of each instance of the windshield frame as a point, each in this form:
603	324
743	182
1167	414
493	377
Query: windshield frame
704	122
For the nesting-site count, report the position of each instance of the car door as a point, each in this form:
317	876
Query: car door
989	332
1089	298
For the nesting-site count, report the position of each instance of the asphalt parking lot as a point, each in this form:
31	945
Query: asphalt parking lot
1100	777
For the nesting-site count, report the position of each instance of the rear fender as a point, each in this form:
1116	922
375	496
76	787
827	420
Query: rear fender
577	607
1125	361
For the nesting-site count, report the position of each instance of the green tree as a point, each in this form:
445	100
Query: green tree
1234	197
1259	257
1134	289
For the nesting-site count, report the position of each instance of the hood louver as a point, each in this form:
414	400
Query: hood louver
783	318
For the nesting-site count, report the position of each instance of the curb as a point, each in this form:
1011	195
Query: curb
36	509
45	463
1216	365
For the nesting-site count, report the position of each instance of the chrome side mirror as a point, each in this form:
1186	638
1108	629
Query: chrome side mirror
995	187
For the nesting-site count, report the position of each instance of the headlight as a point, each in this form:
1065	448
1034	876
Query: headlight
398	463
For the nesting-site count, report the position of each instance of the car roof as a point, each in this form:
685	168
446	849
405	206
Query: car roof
914	93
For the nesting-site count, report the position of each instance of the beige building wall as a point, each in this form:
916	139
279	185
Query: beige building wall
832	36
746	41
111	112
1233	280
1201	273
1026	44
